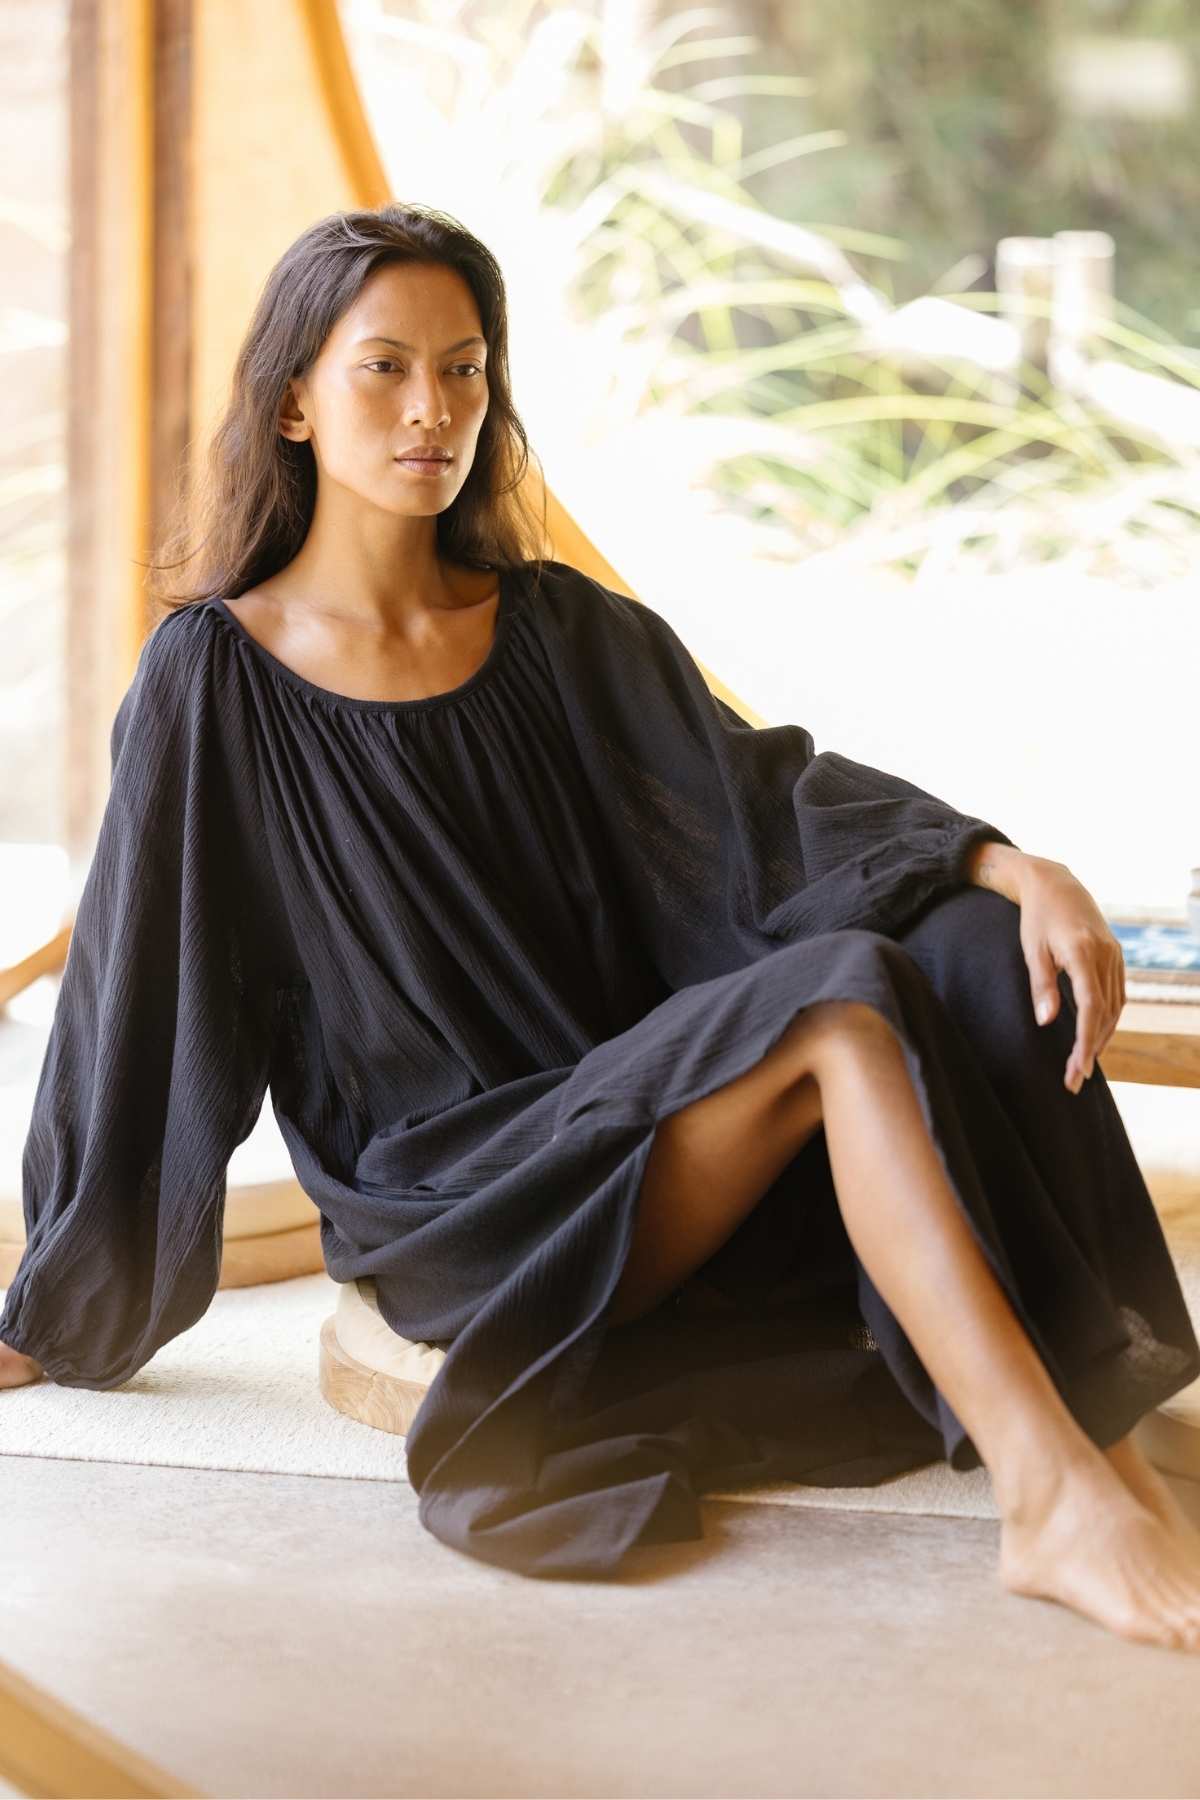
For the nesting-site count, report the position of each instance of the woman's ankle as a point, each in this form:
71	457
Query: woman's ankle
1035	1474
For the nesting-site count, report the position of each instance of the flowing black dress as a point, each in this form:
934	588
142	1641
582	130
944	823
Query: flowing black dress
478	945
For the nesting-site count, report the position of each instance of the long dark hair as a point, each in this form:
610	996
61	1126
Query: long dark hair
254	499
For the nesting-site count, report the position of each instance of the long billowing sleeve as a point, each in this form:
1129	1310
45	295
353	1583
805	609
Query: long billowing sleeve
157	1058
733	838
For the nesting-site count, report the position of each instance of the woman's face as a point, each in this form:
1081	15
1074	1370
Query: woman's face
405	365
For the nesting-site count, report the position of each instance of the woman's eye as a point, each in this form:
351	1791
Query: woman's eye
382	361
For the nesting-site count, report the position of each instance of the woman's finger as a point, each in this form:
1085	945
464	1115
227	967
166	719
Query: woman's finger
1091	1008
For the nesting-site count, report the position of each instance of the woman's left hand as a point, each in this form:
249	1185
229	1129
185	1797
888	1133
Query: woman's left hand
1063	928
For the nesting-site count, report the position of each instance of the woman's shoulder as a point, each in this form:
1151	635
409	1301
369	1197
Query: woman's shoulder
586	604
173	677
174	648
181	631
565	580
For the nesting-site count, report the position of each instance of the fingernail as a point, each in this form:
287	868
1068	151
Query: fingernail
1043	1011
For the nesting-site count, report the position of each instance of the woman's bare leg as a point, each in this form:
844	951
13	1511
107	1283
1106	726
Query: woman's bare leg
1073	1527
1071	1530
710	1164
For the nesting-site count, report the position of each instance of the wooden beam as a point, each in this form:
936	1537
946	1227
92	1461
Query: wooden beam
51	1750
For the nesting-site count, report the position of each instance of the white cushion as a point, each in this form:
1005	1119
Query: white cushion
365	1335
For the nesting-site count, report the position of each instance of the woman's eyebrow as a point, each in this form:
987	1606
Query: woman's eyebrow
398	345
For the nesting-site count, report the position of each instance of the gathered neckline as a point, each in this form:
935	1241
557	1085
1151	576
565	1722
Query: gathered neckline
329	695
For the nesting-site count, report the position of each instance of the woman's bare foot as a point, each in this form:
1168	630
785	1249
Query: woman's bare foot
17	1369
1086	1542
1147	1485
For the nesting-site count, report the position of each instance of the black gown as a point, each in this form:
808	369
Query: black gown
478	945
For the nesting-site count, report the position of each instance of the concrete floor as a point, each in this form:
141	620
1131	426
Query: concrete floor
263	1635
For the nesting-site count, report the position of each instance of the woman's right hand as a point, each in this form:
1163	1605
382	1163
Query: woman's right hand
16	1369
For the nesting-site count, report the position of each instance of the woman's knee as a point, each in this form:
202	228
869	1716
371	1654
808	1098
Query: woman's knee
837	1022
828	1029
970	949
970	935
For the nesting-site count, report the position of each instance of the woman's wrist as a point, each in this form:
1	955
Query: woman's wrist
1004	868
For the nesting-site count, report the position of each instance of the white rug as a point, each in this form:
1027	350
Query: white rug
240	1391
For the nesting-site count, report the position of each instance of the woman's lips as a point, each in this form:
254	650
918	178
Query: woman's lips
425	465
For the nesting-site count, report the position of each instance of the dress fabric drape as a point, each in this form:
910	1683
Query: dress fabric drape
477	946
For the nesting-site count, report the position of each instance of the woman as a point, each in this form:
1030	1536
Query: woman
569	984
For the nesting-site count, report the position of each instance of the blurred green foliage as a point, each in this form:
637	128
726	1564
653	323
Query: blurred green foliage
738	199
961	127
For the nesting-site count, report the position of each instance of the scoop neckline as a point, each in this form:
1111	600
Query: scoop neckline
361	704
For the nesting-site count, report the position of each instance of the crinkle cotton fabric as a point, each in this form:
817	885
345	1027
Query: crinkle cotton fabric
478	945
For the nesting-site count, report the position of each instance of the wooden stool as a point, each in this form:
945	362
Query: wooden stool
368	1371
